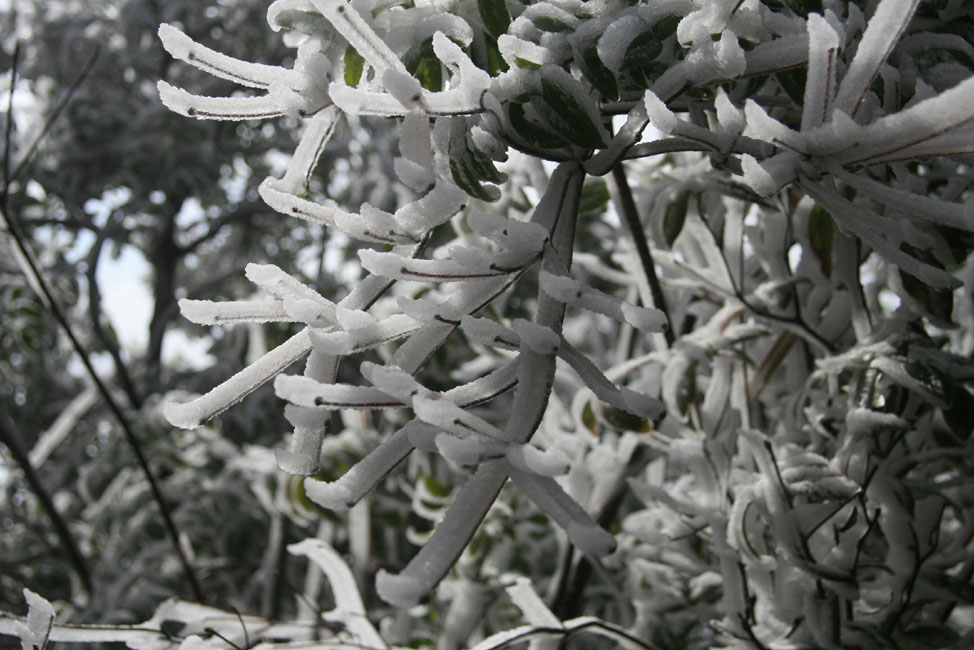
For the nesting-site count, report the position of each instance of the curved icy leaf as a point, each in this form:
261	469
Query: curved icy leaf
362	477
218	108
255	75
583	532
304	391
450	537
885	27
192	414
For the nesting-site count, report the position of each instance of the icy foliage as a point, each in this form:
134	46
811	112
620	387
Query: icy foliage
781	451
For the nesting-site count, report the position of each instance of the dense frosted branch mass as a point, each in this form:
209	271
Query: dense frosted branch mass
776	470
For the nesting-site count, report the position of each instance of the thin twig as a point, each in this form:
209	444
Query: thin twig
627	206
61	105
39	282
10	437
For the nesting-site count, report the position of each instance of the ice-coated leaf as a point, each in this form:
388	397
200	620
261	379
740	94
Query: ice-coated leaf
192	414
207	312
368	472
569	291
440	411
900	135
317	133
435	208
304	451
882	33
528	458
584	533
360	35
605	390
218	108
484	330
308	392
346	342
391	265
287	203
272	279
538	338
36	629
341	581
823	50
531	605
449	538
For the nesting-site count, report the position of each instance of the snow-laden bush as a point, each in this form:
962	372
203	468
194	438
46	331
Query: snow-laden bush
735	375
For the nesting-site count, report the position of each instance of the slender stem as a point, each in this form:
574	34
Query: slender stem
627	206
37	280
61	105
10	437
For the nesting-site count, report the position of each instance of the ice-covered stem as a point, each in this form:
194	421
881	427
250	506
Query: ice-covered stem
626	206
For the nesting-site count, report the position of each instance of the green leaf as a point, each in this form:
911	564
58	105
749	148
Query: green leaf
533	134
674	217
958	415
526	63
436	487
595	196
793	83
580	126
495	62
422	63
936	304
642	51
589	419
821	234
354	64
626	421
666	26
597	74
495	15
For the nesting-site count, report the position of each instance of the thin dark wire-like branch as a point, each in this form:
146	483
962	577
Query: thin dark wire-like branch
37	280
61	105
10	437
627	207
